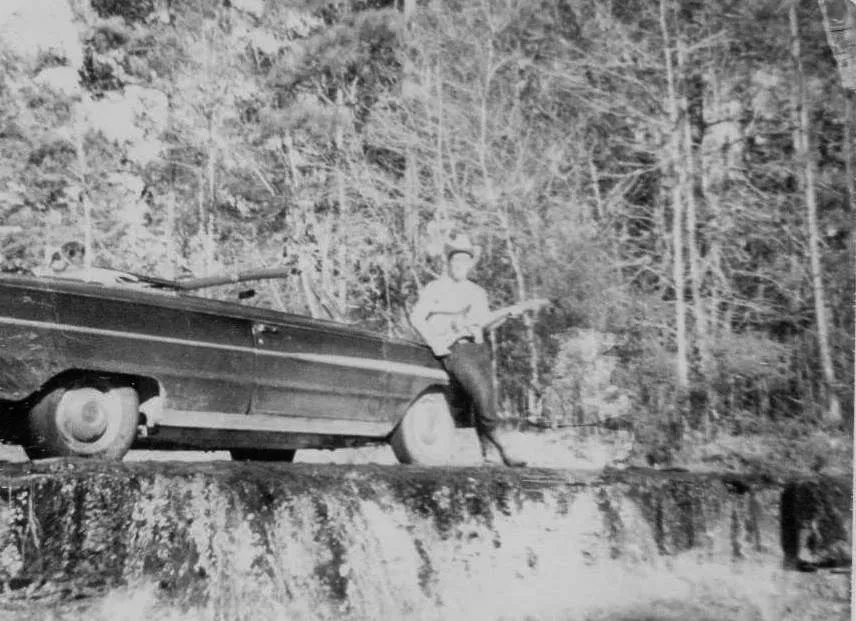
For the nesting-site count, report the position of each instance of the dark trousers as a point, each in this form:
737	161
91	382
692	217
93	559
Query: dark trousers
469	366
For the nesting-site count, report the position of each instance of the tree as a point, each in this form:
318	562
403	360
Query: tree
479	154
680	189
806	156
635	161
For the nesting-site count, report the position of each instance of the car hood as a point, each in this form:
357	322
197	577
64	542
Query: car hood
109	284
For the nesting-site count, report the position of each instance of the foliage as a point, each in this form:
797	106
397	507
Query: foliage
344	142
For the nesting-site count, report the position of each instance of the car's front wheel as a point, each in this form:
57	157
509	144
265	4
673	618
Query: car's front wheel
83	421
426	433
286	455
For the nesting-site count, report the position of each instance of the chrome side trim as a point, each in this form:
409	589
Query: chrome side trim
333	360
365	363
272	423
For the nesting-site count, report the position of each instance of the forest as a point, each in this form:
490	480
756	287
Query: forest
677	176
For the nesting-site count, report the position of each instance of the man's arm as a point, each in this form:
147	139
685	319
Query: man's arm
419	320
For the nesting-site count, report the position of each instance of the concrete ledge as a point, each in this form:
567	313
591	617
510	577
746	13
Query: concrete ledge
305	535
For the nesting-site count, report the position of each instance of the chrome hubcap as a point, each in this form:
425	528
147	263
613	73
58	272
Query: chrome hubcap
83	415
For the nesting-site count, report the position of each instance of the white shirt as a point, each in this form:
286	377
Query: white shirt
447	308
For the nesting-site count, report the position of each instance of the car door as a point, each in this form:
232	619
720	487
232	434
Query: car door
28	332
200	350
323	378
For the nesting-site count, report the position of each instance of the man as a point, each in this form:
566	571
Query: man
69	258
450	315
69	262
64	262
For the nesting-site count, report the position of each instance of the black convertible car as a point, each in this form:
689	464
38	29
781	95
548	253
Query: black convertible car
108	361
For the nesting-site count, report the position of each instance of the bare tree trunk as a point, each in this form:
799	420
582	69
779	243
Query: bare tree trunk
803	148
679	279
85	203
170	235
439	169
690	177
411	216
341	288
304	265
288	152
692	223
533	388
850	159
677	170
208	218
206	215
839	22
600	208
387	296
200	203
716	326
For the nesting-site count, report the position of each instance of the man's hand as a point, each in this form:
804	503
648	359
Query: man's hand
516	312
476	332
440	347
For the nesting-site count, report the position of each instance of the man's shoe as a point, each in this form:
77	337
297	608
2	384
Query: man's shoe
507	459
512	462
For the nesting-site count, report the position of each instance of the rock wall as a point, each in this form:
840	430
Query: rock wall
328	542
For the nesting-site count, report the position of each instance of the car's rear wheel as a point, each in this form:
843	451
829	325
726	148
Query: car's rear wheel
425	434
83	421
285	455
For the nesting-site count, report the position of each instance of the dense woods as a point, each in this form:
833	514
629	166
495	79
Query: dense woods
675	174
